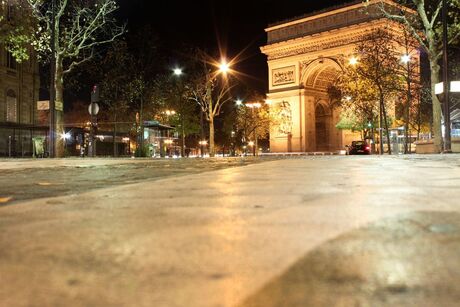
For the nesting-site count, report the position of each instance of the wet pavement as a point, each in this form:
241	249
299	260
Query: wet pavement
31	179
311	231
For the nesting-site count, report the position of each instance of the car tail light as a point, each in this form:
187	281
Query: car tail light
368	147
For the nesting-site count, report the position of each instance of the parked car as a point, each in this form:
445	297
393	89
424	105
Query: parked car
359	148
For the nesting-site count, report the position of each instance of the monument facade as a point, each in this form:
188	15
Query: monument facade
305	56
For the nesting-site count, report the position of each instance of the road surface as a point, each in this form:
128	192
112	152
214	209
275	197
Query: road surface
310	231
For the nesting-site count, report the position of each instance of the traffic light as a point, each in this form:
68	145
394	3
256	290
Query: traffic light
95	93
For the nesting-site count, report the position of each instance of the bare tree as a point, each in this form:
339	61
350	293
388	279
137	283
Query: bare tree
71	29
211	93
422	18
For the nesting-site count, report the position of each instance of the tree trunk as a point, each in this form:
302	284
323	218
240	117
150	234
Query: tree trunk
59	107
380	129
201	133
384	112
212	151
436	104
386	129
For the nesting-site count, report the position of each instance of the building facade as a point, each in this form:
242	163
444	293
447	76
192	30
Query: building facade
305	56
19	89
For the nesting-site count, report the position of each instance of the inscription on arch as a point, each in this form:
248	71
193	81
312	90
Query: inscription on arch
285	75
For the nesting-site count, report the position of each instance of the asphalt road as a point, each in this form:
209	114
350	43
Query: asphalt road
312	231
32	179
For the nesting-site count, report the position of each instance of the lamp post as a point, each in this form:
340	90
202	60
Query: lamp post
178	73
445	77
406	60
93	109
52	112
253	106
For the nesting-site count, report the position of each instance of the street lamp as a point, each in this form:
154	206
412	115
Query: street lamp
445	78
65	136
177	71
212	108
405	59
93	109
170	112
224	67
253	106
353	61
52	117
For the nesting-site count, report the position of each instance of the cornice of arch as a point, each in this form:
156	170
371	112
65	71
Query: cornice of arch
324	41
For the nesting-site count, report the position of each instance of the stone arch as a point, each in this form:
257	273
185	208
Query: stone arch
320	117
317	73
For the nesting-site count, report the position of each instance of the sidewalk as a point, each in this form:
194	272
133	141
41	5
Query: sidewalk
219	238
11	164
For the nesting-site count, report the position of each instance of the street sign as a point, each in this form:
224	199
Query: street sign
43	105
439	88
454	87
95	93
93	108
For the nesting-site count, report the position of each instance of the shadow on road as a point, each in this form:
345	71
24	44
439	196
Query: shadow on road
409	260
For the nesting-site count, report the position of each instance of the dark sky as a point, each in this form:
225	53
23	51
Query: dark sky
235	25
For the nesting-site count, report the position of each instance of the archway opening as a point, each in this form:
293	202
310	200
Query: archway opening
320	122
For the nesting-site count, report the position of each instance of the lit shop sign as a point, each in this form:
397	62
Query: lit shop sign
454	87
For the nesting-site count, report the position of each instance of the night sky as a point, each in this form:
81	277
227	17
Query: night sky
234	25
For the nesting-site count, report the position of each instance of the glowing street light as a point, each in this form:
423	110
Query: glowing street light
177	71
239	102
353	61
65	136
405	58
224	67
170	112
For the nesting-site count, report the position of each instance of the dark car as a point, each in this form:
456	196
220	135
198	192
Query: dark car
359	148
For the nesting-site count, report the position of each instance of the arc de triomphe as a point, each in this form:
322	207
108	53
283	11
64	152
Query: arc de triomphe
305	56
